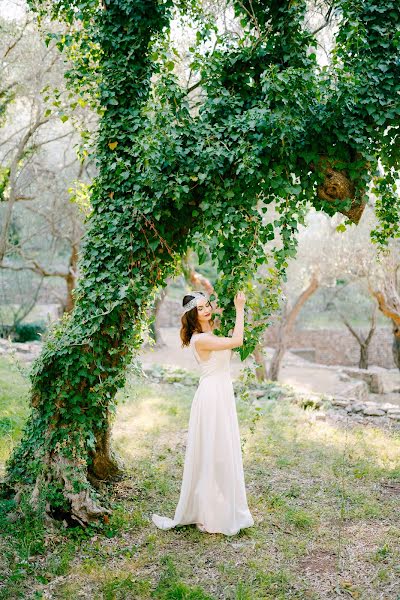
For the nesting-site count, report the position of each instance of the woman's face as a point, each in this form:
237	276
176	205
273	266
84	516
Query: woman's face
204	310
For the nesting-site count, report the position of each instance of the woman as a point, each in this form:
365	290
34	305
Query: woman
213	494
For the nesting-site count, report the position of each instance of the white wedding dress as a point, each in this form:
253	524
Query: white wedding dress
213	494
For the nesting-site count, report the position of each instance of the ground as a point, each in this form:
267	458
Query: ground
324	494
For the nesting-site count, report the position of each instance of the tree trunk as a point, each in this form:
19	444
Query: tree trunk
286	325
337	185
363	342
106	464
396	347
389	304
261	370
363	362
156	325
279	353
72	277
66	449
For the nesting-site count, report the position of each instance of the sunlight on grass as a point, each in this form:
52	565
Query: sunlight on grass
13	407
148	413
133	425
367	448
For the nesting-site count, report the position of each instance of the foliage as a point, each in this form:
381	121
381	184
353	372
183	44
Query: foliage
26	332
173	174
4	178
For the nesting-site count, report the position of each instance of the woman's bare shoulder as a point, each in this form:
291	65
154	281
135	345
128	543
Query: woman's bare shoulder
196	335
215	342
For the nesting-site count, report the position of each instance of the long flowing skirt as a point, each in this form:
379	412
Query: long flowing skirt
213	493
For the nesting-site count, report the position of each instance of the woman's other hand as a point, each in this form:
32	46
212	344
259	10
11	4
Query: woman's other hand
239	300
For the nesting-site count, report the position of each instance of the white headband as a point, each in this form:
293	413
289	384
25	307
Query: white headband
193	302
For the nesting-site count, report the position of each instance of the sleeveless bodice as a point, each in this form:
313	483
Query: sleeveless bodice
218	362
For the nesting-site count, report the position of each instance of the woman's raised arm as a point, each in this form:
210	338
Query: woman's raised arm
208	342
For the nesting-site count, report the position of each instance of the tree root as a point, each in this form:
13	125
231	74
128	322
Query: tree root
82	507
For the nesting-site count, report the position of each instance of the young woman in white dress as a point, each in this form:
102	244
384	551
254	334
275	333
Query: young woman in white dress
213	493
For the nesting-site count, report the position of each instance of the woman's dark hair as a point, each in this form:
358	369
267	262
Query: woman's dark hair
190	322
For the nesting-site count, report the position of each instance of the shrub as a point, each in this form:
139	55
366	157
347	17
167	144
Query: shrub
27	332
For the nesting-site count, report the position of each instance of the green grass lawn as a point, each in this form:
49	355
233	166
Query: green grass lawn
322	494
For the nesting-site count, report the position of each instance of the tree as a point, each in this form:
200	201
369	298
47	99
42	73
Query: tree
286	324
271	128
387	295
363	341
34	201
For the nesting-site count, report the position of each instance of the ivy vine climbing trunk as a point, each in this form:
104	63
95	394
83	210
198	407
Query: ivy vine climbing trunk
66	447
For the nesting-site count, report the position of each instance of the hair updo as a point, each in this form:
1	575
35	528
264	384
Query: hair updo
190	322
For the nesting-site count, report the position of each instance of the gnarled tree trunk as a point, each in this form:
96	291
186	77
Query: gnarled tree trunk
66	450
363	342
389	304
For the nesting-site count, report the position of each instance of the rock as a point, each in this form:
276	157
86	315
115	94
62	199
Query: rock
24	348
340	402
274	390
357	390
12	517
258	393
358	407
243	544
320	416
307	353
388	406
344	377
371	411
393	411
394	416
372	379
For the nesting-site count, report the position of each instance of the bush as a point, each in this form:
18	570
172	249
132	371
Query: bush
27	332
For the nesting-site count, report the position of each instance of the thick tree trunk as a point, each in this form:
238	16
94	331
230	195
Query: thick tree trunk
389	304
66	450
106	465
337	185
396	347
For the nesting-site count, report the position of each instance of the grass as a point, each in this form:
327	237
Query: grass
325	525
13	406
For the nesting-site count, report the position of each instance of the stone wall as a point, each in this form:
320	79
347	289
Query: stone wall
338	346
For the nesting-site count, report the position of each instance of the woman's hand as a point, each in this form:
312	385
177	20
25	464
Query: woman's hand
239	300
